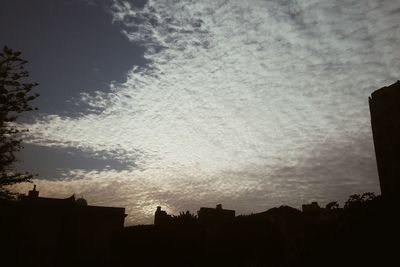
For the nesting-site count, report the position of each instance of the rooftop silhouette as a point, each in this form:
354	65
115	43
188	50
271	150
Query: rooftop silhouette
58	232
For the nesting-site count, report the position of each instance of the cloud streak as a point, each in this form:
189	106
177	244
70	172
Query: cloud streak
250	104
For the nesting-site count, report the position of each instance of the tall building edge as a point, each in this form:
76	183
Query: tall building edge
381	185
384	105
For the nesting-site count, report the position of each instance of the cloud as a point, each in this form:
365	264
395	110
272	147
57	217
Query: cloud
267	89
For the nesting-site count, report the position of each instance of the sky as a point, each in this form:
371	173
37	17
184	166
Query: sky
184	104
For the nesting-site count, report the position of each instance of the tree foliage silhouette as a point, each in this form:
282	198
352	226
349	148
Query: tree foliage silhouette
357	201
332	206
15	98
185	218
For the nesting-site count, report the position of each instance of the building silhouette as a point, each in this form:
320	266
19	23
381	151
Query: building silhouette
161	217
311	209
58	232
384	106
217	216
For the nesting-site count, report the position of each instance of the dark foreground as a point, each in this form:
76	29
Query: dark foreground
363	233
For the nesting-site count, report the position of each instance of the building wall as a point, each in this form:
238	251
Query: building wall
211	216
385	120
60	232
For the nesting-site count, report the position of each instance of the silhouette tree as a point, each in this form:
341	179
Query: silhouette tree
185	218
357	201
332	205
15	95
368	196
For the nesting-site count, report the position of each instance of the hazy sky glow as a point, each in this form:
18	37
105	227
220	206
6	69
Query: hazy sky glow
251	104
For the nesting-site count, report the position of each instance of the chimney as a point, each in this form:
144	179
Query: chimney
33	193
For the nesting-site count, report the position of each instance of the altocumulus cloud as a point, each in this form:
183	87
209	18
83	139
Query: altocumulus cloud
249	103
